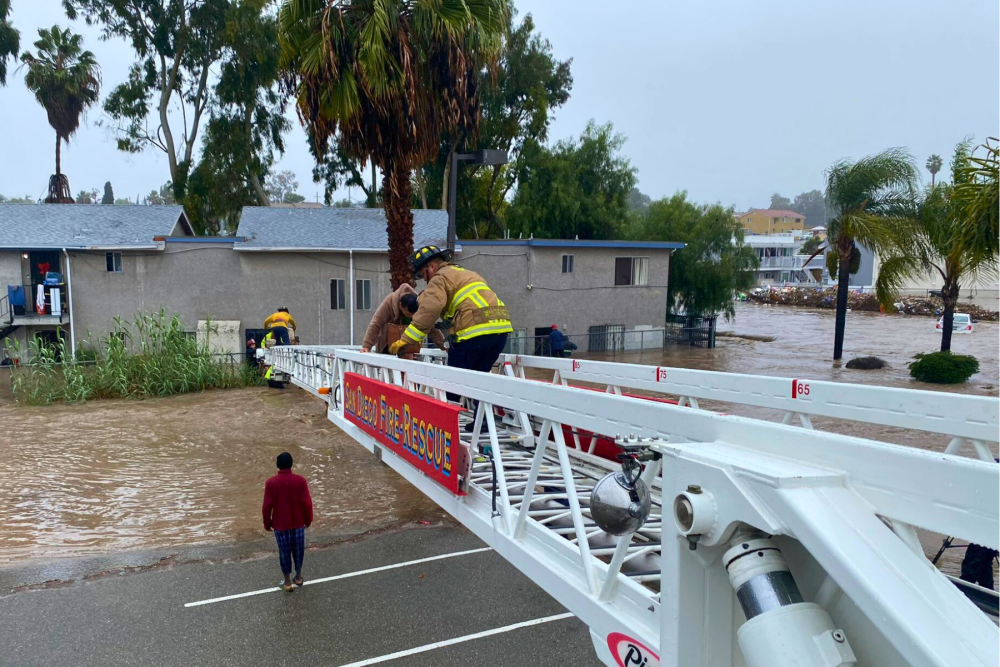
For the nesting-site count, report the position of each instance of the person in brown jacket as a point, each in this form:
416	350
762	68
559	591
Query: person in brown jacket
394	310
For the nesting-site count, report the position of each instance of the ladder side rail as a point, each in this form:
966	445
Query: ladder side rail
924	489
973	417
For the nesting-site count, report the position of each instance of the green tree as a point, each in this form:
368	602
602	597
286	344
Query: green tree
714	266
977	195
162	197
109	194
280	185
26	199
576	188
176	45
780	203
812	206
335	169
934	166
939	247
870	204
519	97
87	197
638	201
812	244
10	40
65	80
123	201
246	122
387	79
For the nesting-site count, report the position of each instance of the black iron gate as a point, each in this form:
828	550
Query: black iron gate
696	331
606	338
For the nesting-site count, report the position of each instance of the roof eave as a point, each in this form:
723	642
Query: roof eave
245	248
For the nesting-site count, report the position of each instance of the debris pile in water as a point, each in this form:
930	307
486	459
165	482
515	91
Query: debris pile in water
813	297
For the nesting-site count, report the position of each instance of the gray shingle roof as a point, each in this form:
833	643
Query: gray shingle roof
83	225
331	228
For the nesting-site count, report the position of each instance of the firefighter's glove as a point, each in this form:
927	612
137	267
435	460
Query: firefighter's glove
396	347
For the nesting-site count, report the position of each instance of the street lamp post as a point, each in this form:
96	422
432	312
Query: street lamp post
484	157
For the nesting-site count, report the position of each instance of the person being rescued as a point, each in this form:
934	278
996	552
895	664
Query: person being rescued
391	317
478	319
278	325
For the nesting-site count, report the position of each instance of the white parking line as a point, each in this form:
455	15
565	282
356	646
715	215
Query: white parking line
342	576
457	640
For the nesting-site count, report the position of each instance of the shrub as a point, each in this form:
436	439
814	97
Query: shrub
944	367
866	363
151	356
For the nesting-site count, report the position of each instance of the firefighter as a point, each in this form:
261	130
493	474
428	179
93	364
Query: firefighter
477	318
278	324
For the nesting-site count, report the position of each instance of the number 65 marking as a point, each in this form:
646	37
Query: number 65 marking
799	388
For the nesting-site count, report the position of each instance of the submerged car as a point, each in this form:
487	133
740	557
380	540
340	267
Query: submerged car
962	323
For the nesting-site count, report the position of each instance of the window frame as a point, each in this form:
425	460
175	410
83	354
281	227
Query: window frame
114	261
338	294
568	263
362	294
634	272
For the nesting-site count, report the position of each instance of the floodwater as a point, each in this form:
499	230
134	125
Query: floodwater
113	475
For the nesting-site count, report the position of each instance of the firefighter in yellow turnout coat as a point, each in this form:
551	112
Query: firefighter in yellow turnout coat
478	319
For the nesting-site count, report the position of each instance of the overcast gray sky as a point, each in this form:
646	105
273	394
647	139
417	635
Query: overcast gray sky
730	100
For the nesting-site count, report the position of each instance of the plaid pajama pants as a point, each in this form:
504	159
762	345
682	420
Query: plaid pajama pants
291	546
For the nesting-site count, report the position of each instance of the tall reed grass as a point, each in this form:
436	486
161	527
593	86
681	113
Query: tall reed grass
150	356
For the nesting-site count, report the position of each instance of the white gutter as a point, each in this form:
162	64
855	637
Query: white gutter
69	301
350	277
306	249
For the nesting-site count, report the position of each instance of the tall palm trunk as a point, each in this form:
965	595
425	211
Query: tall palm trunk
949	294
843	282
399	222
58	155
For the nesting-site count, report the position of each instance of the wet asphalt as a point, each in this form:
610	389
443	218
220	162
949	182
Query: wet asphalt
128	609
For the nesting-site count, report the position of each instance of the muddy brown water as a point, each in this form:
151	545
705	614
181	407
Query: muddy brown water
112	475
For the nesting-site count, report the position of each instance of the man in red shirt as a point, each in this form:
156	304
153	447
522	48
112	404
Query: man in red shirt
288	510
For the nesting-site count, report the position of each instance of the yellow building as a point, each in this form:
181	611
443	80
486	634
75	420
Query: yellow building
772	221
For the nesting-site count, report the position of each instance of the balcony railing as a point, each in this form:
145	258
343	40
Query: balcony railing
22	304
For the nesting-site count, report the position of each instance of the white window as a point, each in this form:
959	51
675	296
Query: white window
113	260
567	263
338	294
631	271
363	294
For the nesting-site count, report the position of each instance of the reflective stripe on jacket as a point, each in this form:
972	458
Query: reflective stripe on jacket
463	298
280	320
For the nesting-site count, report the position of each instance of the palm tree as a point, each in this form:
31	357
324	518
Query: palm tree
10	40
871	205
65	80
939	245
934	166
386	79
978	194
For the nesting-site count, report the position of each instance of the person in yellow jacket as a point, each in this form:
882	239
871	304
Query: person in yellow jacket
478	319
278	324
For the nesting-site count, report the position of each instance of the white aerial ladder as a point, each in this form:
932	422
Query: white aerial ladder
766	543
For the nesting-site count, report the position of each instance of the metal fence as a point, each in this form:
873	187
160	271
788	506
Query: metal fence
690	330
604	339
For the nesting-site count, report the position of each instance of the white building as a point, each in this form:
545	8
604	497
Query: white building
780	263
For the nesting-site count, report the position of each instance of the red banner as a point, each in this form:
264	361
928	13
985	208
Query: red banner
422	430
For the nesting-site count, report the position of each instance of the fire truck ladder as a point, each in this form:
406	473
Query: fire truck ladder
765	543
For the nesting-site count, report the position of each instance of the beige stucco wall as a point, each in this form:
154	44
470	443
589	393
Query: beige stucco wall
530	281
